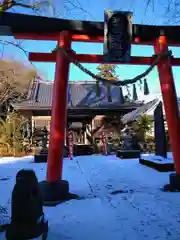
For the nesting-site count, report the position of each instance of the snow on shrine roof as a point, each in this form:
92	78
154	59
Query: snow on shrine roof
135	115
80	95
148	109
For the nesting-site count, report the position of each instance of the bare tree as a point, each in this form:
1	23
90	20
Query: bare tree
35	6
168	10
39	7
46	7
15	79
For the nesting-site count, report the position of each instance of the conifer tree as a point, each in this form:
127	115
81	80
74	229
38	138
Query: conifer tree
107	71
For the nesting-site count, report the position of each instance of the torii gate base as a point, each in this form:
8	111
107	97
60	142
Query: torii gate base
54	189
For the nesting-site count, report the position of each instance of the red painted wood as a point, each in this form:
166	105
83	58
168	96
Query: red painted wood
169	100
59	112
79	38
54	37
93	58
37	36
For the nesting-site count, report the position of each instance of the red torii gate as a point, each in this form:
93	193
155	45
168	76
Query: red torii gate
59	105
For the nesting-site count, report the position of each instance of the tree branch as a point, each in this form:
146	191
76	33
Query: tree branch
6	5
6	42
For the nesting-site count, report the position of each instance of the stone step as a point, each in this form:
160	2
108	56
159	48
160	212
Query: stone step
43	155
128	154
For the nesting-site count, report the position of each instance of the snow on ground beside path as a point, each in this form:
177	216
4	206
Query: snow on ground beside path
142	211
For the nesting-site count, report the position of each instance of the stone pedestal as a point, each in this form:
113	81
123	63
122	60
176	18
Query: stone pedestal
55	193
128	154
158	164
42	156
174	183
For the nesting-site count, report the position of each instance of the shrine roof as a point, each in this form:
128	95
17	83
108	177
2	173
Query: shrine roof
136	114
21	23
81	95
147	109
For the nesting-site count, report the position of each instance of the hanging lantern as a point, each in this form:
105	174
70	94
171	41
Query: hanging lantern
140	84
135	96
121	96
98	89
146	89
109	93
128	91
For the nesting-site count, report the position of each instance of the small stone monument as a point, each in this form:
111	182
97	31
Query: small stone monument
27	219
130	147
159	132
127	140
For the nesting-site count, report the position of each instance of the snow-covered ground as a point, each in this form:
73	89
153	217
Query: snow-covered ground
121	199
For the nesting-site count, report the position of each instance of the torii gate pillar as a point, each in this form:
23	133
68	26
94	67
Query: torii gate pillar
54	189
171	109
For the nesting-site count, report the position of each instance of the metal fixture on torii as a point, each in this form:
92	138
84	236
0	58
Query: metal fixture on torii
67	31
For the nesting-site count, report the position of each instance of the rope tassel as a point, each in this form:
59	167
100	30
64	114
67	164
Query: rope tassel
121	96
146	88
109	93
98	89
135	96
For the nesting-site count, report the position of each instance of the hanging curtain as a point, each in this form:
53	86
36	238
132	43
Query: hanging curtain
98	89
109	93
146	88
135	96
121	96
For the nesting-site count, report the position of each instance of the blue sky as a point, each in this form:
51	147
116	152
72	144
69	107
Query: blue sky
97	11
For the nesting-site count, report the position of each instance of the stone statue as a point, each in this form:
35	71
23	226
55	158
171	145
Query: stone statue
130	140
29	130
27	220
127	140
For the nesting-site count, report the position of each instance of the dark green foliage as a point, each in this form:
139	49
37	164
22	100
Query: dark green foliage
11	134
143	125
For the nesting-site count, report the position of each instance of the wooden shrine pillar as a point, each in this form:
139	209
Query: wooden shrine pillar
59	111
170	100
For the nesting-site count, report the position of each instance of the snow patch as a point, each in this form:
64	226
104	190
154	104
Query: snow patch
139	210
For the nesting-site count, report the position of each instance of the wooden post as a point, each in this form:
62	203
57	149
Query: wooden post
104	142
170	100
70	145
59	111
